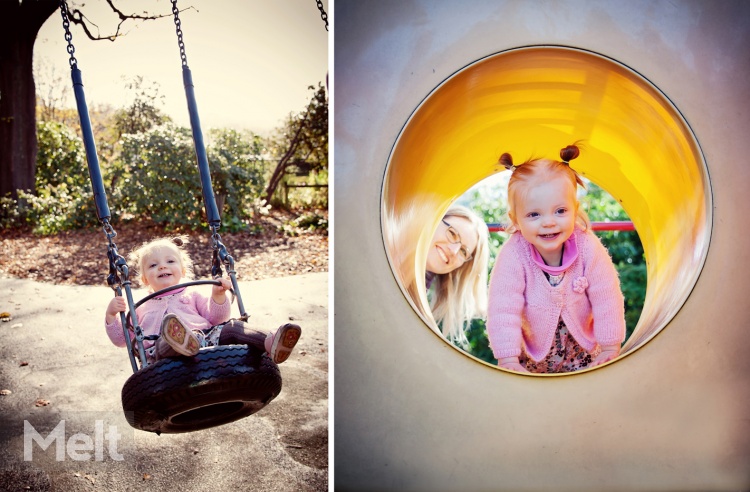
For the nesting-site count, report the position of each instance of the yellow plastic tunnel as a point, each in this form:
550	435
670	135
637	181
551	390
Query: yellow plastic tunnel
533	102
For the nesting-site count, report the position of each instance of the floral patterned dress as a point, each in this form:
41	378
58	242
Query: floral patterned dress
565	355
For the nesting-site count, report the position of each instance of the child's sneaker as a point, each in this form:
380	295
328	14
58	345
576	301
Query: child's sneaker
182	340
283	342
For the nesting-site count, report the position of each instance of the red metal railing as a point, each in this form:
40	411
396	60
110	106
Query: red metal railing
621	225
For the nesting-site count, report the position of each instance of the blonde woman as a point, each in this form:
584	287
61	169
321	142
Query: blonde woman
456	272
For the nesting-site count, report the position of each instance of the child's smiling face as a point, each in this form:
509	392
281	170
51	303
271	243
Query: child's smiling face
546	217
161	268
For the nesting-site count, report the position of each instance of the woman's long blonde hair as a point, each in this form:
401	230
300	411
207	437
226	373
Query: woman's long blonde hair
461	295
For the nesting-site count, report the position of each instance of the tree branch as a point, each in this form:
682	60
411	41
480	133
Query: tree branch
76	16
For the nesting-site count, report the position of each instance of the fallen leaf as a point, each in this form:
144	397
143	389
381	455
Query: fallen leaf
146	476
42	403
23	363
5	392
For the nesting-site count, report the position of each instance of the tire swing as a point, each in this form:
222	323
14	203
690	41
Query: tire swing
182	394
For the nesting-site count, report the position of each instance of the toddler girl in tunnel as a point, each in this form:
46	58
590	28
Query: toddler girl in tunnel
555	303
186	320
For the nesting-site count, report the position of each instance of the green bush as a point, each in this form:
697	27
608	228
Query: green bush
312	221
62	199
159	177
61	158
56	208
237	173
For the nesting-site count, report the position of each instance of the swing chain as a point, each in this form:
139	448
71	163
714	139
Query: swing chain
220	254
178	28
323	14
109	231
117	264
68	36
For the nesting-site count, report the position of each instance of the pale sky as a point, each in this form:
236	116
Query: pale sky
251	60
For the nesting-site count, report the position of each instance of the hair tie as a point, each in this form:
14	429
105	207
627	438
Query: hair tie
507	162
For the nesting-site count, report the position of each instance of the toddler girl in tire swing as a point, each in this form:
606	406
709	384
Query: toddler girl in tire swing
184	319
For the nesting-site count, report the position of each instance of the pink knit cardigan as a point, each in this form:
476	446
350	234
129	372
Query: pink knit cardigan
524	308
195	310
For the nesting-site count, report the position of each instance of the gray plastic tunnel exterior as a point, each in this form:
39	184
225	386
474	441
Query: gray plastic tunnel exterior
410	411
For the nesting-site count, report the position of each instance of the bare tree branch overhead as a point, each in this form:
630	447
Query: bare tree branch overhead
76	16
19	26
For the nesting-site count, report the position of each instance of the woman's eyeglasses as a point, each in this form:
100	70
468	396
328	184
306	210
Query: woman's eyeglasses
455	238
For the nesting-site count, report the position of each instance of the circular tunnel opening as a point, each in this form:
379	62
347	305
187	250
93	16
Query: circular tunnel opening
533	101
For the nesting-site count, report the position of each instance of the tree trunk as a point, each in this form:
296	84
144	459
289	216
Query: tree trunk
19	26
278	173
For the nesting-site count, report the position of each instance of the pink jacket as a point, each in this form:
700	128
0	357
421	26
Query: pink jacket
195	310
524	308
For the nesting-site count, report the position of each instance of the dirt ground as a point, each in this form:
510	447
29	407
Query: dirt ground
57	365
80	257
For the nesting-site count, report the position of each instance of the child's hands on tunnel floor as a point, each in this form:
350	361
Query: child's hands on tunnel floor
512	364
607	354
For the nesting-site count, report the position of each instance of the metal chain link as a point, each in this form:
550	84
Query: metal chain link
68	36
109	231
323	14
178	29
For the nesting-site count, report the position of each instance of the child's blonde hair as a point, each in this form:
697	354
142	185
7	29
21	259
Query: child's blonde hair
542	170
175	244
461	295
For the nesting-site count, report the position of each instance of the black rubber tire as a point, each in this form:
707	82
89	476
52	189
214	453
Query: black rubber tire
183	394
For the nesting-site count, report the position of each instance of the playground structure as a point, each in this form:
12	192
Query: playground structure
427	97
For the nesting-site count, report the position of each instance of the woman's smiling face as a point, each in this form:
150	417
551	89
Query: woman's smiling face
444	255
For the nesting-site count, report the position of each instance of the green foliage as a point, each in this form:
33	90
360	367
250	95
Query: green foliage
60	158
307	197
312	221
142	114
63	198
302	143
148	166
237	173
479	344
314	145
159	177
56	209
490	204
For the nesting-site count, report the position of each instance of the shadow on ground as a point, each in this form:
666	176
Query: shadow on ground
62	370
